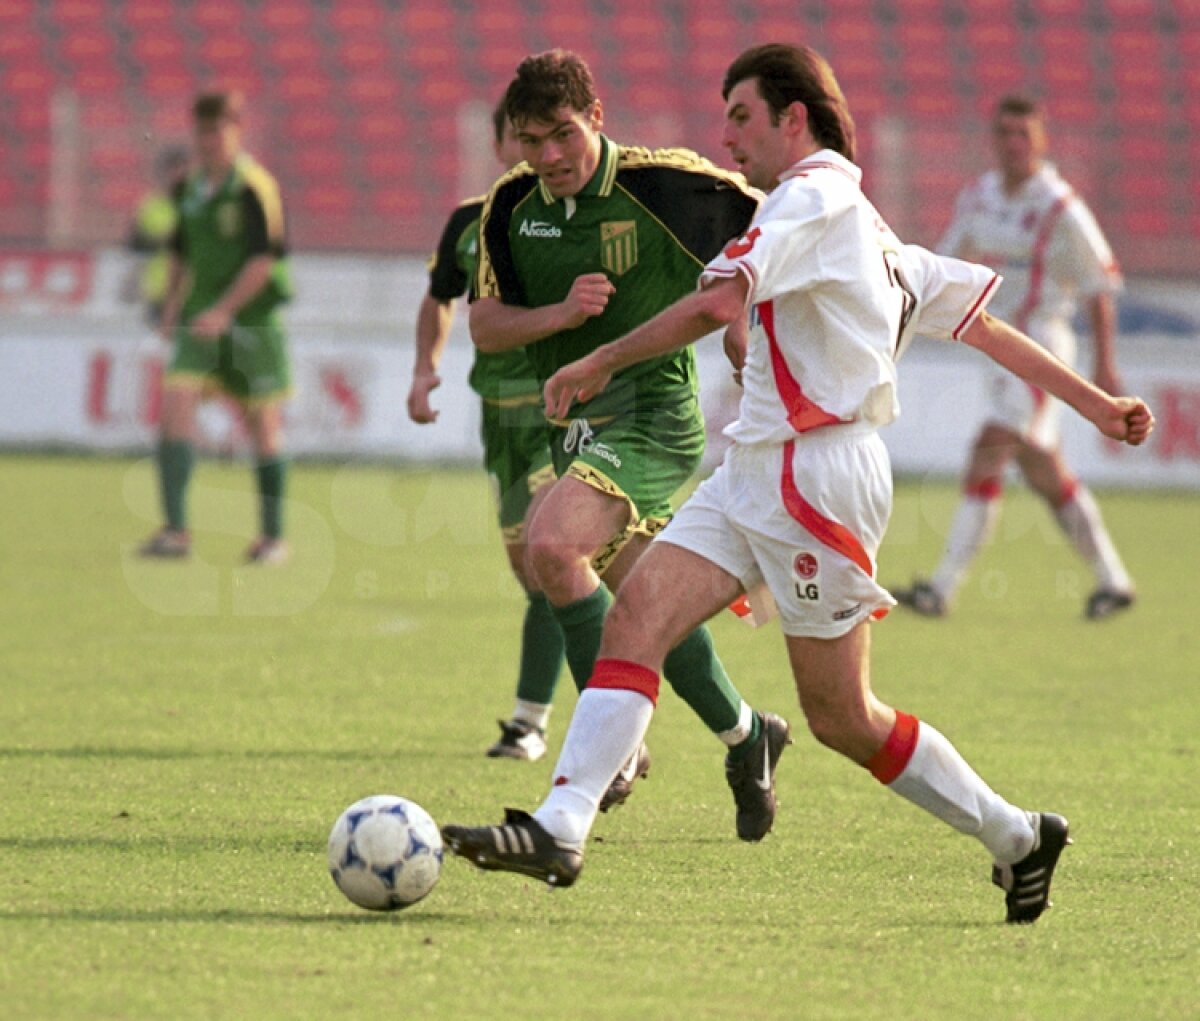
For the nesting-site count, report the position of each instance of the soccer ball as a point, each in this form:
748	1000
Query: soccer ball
385	852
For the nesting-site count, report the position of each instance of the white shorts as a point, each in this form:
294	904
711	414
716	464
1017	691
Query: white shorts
1023	409
809	525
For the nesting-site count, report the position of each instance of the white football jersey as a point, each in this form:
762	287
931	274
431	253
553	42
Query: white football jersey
1042	239
836	299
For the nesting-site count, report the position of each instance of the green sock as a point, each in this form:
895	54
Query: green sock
698	677
175	460
272	478
582	624
541	652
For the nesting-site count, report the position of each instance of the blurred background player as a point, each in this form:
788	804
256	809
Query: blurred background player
516	450
228	277
1024	221
154	223
578	245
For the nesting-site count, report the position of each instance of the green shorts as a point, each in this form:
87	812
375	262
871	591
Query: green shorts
643	457
249	362
516	454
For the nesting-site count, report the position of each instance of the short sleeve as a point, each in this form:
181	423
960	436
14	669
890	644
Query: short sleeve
1079	256
779	253
950	293
447	279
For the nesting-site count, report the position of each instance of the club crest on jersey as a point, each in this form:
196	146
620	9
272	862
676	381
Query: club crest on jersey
229	219
618	246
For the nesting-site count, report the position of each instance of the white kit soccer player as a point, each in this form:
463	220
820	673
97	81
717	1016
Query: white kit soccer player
1052	254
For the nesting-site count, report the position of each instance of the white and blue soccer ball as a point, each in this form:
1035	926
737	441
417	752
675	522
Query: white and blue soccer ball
385	852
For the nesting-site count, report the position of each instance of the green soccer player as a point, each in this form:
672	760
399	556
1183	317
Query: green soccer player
516	448
579	245
229	275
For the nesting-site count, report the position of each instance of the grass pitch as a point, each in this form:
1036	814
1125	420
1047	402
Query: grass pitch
176	740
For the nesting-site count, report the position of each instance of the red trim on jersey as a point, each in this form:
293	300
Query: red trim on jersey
825	530
623	675
973	311
988	489
1037	269
890	761
803	414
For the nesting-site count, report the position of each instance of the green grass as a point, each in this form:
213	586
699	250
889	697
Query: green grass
177	739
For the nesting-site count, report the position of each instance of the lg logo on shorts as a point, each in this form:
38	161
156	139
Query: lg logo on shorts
805	568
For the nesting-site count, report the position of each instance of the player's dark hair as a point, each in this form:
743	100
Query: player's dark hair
499	120
797	74
1019	105
545	83
219	105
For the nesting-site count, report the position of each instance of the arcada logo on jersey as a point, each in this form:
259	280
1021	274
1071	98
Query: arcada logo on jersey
538	229
805	567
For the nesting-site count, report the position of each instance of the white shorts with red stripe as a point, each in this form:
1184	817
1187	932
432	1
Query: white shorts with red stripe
806	518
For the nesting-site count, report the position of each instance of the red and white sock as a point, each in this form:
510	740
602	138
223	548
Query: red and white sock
920	764
1080	519
610	720
971	528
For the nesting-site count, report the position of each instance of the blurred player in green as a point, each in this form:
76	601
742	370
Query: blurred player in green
581	243
154	224
515	444
229	275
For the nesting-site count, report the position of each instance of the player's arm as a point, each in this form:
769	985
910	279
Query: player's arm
433	331
496	326
1122	418
715	306
178	283
1102	317
218	317
736	342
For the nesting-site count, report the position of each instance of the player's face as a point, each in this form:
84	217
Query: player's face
758	147
217	143
565	151
1020	142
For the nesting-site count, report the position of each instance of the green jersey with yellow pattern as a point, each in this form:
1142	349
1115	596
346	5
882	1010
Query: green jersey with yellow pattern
221	228
497	376
649	220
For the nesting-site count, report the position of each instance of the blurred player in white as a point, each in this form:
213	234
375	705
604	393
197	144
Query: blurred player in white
1024	221
803	497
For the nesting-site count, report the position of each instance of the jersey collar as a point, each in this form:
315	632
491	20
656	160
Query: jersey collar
824	159
601	182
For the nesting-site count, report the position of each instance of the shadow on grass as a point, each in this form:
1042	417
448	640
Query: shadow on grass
171	754
224	916
159	844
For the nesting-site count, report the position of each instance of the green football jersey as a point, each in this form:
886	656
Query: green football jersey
649	220
221	229
495	376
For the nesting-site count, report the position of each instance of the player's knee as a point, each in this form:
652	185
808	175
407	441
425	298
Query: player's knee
839	729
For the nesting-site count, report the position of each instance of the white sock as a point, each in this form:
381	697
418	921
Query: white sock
971	528
533	713
1081	521
605	732
741	730
939	780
